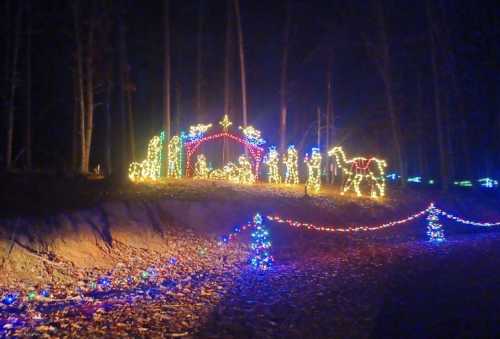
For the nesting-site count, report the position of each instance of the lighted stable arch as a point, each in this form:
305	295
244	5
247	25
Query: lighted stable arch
192	146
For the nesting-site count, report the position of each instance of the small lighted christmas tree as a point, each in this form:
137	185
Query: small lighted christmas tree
261	245
434	227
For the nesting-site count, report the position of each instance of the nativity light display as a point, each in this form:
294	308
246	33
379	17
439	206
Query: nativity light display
291	169
313	183
272	160
148	169
359	169
250	140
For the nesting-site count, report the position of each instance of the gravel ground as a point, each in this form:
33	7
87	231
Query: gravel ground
330	286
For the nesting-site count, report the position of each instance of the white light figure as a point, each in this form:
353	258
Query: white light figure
313	183
246	175
174	169
148	169
201	168
290	160
272	161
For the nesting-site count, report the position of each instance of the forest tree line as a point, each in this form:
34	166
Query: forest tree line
103	85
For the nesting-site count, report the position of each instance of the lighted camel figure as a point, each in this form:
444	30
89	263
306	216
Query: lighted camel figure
358	169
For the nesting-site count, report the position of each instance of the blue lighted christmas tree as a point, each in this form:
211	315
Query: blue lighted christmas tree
261	245
434	227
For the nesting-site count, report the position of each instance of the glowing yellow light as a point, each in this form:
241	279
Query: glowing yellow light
148	169
231	172
313	183
272	161
246	175
358	169
174	169
217	174
201	168
198	130
290	161
225	123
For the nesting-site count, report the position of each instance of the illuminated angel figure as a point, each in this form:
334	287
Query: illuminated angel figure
290	160
246	175
272	160
201	168
174	169
358	169
313	183
148	169
252	135
197	131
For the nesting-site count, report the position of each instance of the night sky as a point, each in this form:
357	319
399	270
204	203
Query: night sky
345	27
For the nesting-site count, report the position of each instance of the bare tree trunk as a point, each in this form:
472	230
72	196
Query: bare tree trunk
228	63
107	147
166	100
28	85
422	167
284	73
178	106
437	105
121	100
329	112
166	79
199	65
13	86
130	114
228	60
89	121
242	63
75	130
318	132
386	72
79	72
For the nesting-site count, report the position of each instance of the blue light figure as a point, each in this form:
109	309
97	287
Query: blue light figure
260	245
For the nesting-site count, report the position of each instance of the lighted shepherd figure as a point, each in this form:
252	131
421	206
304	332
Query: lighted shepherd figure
358	169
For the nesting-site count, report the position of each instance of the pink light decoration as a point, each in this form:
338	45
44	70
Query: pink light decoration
256	152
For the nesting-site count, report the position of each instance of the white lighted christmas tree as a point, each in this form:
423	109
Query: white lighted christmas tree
434	227
261	245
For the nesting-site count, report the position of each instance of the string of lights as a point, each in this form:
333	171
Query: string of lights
310	226
465	221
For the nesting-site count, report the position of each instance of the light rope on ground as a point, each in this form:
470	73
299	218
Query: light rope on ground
467	222
309	226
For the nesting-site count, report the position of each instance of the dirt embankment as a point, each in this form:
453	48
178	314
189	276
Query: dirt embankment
144	216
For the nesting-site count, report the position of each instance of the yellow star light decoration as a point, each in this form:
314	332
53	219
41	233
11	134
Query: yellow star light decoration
225	123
